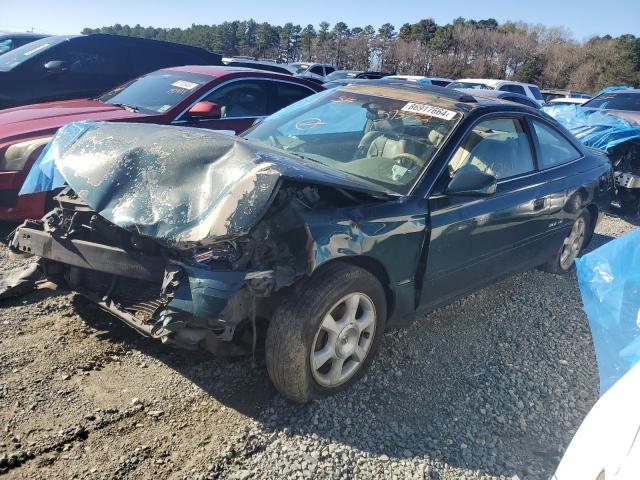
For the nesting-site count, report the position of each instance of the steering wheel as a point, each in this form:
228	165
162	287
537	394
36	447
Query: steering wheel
409	156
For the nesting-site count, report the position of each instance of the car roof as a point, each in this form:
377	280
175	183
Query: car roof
215	71
626	90
23	35
493	82
409	91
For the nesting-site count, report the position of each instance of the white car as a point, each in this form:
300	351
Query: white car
316	71
439	81
530	90
607	444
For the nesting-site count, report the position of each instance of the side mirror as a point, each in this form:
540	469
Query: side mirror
56	66
470	180
205	109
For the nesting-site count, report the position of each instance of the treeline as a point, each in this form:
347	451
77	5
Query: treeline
549	57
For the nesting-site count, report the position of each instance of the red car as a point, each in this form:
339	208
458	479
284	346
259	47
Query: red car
217	98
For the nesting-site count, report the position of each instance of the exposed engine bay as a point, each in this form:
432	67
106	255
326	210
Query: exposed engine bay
625	158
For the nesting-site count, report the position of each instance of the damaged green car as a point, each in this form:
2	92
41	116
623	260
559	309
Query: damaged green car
329	222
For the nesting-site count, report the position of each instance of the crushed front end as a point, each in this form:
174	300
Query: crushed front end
194	297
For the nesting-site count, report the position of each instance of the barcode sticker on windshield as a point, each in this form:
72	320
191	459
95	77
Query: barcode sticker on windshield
184	84
430	110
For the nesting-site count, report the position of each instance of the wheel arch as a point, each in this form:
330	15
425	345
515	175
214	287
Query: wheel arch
593	219
374	267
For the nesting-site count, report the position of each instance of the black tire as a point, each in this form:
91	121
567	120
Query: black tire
292	332
554	265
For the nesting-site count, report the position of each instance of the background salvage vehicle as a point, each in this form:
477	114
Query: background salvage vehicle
554	94
11	41
610	122
528	89
332	220
218	98
82	66
267	65
439	81
357	74
313	71
512	97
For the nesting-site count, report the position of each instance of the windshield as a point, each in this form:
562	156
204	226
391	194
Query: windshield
299	67
340	74
156	92
536	92
474	85
21	54
627	101
5	45
384	140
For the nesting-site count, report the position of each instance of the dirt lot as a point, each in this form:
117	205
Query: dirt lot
490	387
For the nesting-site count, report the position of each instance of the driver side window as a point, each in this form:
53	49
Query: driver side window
246	98
499	147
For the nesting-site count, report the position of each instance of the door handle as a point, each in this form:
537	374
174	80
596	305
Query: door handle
538	204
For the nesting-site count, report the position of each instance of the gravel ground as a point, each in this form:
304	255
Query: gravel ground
493	386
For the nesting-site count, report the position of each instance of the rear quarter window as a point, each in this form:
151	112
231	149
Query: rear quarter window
554	149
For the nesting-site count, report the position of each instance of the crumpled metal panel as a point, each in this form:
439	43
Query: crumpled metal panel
597	128
182	186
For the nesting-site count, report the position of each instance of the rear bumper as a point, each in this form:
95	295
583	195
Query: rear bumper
14	207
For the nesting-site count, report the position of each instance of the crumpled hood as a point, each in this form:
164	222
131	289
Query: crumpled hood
182	186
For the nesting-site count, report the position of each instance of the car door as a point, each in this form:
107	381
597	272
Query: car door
477	239
241	101
91	69
559	186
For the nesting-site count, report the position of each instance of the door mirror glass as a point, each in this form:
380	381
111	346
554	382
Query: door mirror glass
205	109
56	66
470	180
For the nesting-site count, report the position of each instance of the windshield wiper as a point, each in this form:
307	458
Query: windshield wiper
130	108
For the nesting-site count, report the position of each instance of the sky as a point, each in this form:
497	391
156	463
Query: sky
583	18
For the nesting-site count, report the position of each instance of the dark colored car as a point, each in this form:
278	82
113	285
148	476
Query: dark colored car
610	122
351	74
510	96
340	216
11	41
258	65
218	98
65	67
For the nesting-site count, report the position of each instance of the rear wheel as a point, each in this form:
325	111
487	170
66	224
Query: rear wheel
564	260
323	338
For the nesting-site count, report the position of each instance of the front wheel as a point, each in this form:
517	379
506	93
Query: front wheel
564	260
323	338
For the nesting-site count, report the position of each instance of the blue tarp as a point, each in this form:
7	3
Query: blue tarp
44	176
609	279
594	128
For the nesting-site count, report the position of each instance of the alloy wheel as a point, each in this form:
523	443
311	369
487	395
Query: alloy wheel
343	340
573	244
